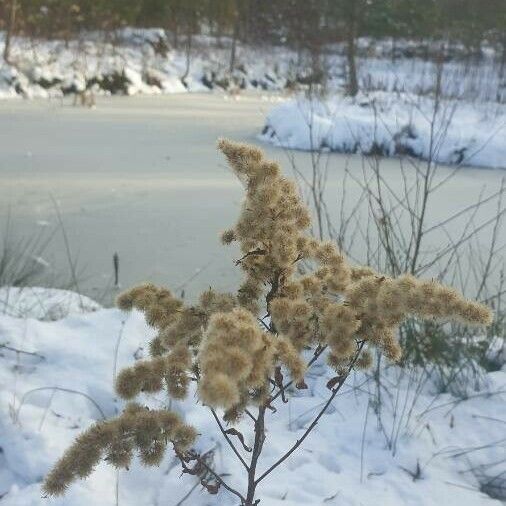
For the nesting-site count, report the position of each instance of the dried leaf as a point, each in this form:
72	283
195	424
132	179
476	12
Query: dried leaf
278	378
210	487
196	470
272	408
235	432
301	385
333	382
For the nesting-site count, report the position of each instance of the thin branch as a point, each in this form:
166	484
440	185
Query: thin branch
257	450
67	248
318	351
229	441
219	479
16	350
187	495
248	412
313	424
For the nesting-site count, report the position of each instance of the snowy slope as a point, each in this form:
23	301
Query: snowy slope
393	124
132	61
64	382
43	303
130	66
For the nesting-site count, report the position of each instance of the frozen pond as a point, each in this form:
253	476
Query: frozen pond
140	176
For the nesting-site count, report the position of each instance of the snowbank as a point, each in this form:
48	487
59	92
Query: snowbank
45	304
144	61
393	124
60	380
139	62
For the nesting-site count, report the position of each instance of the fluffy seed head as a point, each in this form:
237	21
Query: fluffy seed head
218	342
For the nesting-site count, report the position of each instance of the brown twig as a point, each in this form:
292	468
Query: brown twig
318	351
257	450
201	461
313	424
229	441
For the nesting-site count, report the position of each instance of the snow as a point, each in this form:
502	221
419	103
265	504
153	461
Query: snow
52	69
43	303
64	382
393	124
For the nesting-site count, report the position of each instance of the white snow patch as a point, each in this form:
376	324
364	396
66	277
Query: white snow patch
43	303
52	68
393	124
64	381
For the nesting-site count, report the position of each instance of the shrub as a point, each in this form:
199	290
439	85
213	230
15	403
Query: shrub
237	357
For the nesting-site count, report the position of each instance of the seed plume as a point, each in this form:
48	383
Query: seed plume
235	346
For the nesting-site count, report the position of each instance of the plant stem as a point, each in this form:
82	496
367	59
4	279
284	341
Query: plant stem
229	441
319	350
257	450
313	424
218	478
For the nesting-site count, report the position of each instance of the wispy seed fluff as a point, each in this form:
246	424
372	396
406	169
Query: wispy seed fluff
337	304
150	375
226	357
236	356
136	430
219	343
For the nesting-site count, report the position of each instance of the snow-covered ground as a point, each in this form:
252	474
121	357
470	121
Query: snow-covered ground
131	65
389	124
60	380
45	304
133	61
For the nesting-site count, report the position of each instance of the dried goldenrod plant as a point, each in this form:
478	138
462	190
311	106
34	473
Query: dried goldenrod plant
299	298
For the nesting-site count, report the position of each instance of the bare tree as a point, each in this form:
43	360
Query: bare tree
9	33
351	10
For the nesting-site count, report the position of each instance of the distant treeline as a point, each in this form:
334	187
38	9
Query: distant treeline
305	26
292	22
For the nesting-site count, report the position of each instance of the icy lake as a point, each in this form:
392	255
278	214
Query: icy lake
140	176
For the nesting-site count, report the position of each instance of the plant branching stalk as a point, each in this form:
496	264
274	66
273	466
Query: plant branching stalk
319	350
229	441
257	450
315	421
259	427
217	477
236	364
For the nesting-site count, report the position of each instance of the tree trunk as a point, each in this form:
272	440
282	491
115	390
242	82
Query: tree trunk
503	59
235	35
175	39
175	19
351	49
189	40
9	32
